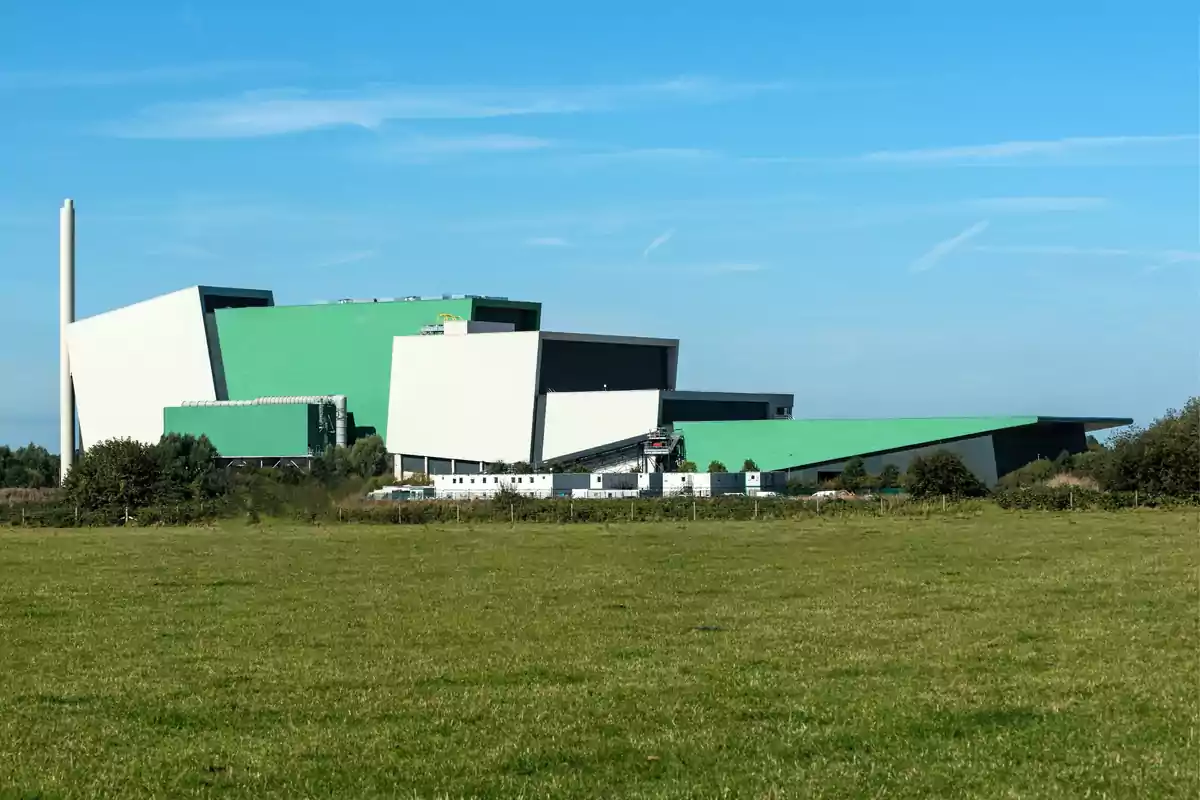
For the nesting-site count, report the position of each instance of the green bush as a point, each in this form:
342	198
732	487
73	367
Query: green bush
187	469
1034	473
368	458
1162	459
716	466
942	473
118	473
853	476
1064	498
889	478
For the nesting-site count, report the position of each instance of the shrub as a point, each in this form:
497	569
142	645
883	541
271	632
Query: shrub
854	474
1034	473
716	466
1162	459
1073	481
942	473
332	465
368	457
686	466
750	466
187	469
118	473
889	478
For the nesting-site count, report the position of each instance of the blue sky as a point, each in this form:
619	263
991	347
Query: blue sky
941	211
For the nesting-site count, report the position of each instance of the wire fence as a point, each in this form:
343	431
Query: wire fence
574	510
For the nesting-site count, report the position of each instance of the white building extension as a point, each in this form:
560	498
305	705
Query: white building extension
544	484
573	422
714	484
477	395
155	350
464	397
130	363
610	484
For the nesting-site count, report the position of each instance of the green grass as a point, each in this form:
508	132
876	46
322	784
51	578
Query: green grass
995	656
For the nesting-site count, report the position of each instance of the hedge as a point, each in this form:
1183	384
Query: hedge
566	511
1066	498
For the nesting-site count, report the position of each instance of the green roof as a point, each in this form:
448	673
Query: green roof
785	443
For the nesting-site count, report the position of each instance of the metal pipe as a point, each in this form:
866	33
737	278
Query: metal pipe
340	420
66	315
338	401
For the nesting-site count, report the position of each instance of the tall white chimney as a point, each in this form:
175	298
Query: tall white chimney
66	315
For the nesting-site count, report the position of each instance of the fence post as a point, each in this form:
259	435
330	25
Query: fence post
881	511
1071	500
1135	498
22	516
76	516
572	509
943	502
126	516
512	514
631	502
399	514
756	508
339	513
457	513
693	510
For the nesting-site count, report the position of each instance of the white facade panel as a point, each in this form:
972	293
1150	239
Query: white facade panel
130	363
470	398
576	421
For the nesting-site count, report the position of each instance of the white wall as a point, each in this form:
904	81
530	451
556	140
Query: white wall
465	487
129	363
576	421
469	397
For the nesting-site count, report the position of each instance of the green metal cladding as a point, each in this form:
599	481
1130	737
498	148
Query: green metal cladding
784	443
248	431
342	348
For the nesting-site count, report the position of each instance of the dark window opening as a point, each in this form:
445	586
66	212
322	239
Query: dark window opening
573	366
523	319
215	302
712	410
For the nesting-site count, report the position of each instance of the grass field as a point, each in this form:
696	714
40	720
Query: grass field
996	656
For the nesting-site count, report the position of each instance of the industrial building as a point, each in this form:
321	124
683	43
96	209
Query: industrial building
454	384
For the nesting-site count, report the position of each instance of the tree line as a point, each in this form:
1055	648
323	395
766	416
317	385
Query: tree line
29	467
1161	459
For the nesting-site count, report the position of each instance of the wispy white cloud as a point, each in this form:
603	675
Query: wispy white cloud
423	148
651	153
274	113
1033	205
1157	258
103	78
939	251
547	241
658	242
1016	149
